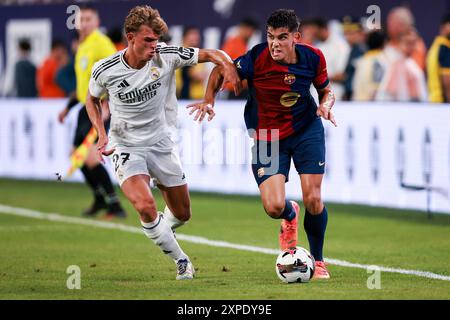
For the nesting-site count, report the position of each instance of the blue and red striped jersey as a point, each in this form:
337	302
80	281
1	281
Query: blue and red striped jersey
279	96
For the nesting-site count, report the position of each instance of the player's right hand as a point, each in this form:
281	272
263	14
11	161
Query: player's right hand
231	76
201	109
101	147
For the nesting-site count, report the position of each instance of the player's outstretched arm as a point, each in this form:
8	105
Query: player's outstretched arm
327	99
94	110
220	58
215	82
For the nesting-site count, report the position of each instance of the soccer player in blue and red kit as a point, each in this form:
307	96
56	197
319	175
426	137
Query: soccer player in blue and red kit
284	121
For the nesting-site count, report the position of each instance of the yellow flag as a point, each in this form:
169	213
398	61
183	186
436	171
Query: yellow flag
80	154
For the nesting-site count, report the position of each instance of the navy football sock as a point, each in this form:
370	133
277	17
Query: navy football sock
288	212
315	226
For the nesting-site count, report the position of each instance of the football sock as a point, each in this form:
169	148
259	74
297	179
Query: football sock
315	226
161	234
173	221
288	212
93	184
102	176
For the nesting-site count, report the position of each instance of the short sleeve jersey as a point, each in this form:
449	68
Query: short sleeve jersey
137	97
279	96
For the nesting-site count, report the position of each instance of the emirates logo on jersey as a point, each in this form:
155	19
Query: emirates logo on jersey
139	95
289	99
289	78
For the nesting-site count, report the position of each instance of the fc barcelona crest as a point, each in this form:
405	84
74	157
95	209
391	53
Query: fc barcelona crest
289	78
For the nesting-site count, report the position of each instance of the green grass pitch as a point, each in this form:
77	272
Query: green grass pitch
35	254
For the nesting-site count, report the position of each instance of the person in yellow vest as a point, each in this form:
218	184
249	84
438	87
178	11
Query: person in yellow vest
93	47
191	80
438	65
370	68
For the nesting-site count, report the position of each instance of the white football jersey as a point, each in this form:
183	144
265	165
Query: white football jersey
171	106
138	98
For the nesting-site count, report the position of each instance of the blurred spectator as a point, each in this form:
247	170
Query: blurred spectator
404	80
191	80
65	77
20	2
400	20
25	2
355	36
336	52
166	38
25	72
308	32
237	46
370	68
46	74
438	64
117	37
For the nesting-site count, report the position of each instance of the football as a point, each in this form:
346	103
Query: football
295	265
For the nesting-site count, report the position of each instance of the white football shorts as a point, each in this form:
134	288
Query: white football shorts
160	161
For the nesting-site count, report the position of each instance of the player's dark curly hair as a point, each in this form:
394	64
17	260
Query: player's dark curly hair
283	18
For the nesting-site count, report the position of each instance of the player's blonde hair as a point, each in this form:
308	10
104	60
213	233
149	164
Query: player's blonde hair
145	15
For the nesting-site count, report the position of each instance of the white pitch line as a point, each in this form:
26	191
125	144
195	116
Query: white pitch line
22	212
33	228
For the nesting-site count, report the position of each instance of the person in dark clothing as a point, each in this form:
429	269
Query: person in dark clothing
25	72
355	36
65	77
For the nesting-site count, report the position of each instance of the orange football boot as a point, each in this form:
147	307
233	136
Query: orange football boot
288	231
321	271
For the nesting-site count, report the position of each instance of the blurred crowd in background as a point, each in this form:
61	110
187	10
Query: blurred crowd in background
388	64
24	2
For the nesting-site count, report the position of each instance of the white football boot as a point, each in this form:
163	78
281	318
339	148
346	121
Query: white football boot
185	270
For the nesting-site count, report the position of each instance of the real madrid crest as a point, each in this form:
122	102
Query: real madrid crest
289	78
154	72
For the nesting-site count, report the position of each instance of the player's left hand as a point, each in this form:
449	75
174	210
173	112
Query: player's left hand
325	112
201	109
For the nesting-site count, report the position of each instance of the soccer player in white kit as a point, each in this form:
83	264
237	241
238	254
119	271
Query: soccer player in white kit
137	81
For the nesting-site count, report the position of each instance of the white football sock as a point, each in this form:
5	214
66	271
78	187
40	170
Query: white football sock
161	234
173	221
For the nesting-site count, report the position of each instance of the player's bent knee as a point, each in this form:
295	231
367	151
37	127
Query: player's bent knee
146	208
274	209
313	204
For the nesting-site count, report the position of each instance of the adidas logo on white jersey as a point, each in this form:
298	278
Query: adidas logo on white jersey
123	84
